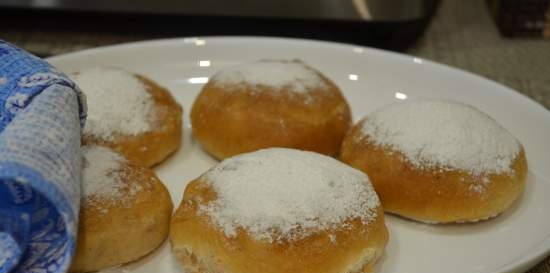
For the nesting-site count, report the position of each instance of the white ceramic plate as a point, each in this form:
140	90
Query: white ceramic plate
369	78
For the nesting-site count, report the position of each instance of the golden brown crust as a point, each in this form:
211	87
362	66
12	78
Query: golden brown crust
202	247
432	195
247	119
150	148
112	232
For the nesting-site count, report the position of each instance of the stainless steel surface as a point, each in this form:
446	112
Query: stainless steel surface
392	10
379	10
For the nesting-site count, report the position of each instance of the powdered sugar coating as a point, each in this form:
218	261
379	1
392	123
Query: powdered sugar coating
443	134
283	193
118	102
104	175
292	75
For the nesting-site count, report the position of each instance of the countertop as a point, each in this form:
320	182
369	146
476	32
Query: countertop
461	34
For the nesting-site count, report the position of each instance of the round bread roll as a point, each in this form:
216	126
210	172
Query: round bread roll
124	214
438	161
270	103
130	114
279	210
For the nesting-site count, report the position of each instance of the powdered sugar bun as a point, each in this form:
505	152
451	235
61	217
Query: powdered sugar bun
270	103
125	211
130	113
438	161
279	210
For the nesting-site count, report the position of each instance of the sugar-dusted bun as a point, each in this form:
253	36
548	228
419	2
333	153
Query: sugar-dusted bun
130	114
270	103
438	161
124	214
279	211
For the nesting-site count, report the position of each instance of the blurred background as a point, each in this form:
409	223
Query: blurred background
390	24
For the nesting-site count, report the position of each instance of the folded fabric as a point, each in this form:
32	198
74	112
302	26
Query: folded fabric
41	116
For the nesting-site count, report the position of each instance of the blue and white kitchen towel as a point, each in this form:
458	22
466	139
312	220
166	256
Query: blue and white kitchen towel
41	117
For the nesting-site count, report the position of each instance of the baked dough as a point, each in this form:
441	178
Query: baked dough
438	161
306	213
124	214
148	143
270	103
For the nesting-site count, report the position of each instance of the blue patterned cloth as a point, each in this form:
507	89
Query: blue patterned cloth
41	117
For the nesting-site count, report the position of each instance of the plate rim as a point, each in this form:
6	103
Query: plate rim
385	53
524	262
